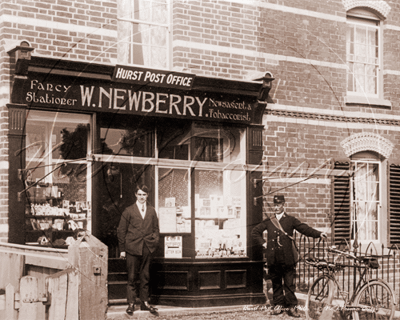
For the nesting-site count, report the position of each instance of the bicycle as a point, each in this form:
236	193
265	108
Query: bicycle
371	299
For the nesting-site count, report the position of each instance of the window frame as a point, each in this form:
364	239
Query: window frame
238	165
353	201
366	22
52	121
168	30
383	214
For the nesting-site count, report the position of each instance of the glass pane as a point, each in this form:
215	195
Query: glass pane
366	200
173	140
159	57
218	144
142	36
372	37
160	12
361	36
173	200
126	9
220	214
158	36
361	53
144	8
57	198
137	54
359	74
371	79
130	141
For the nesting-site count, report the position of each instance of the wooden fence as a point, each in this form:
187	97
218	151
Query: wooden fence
40	283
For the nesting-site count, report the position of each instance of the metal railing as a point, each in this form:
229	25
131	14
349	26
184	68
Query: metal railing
388	258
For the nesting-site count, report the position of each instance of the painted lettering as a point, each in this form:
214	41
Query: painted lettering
48	99
201	104
148	100
35	84
120	73
134	99
108	94
174	104
161	101
187	105
118	97
86	95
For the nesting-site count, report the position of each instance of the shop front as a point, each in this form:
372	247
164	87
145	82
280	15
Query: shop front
81	136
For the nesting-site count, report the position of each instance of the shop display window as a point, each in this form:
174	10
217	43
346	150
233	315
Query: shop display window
173	140
220	215
132	142
173	200
207	222
218	144
56	176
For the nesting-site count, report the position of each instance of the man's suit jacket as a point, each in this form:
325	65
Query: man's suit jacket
288	224
134	231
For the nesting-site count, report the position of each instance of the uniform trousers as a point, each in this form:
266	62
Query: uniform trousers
283	285
138	271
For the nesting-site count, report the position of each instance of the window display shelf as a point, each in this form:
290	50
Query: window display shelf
33	236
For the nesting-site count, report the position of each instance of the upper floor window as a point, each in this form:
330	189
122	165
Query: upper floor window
143	32
363	56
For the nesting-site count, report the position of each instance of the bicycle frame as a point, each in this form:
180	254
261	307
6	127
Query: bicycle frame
330	271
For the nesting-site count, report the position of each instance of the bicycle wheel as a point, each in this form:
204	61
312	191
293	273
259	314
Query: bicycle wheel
319	299
375	300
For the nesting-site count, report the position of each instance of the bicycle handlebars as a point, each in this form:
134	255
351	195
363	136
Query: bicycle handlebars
340	252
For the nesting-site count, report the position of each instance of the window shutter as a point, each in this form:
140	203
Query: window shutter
341	203
394	203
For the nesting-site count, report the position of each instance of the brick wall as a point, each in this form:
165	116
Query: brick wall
303	43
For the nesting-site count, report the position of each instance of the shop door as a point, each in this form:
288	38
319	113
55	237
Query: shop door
115	187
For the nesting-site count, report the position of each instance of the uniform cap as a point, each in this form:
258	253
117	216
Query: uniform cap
279	198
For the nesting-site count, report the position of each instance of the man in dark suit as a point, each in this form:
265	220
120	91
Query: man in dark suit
279	254
138	235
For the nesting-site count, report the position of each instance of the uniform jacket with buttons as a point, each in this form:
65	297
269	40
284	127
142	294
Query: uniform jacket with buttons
278	241
134	231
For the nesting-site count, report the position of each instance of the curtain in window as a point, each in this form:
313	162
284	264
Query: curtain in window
365	208
144	42
362	58
125	11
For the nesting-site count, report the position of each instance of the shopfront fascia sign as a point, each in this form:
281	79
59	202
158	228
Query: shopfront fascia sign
151	77
95	96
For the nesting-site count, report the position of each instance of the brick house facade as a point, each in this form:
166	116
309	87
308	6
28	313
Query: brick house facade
318	126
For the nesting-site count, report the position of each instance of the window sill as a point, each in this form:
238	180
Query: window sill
371	101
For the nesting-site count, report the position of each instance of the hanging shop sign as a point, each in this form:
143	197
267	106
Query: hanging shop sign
64	93
151	77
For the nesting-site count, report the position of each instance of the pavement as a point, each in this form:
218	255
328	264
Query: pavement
237	312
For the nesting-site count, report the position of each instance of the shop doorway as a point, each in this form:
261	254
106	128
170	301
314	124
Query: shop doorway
115	187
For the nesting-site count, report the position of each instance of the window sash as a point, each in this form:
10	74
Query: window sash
143	32
363	56
365	201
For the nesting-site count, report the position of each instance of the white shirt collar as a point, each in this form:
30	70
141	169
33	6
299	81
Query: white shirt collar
279	216
140	206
